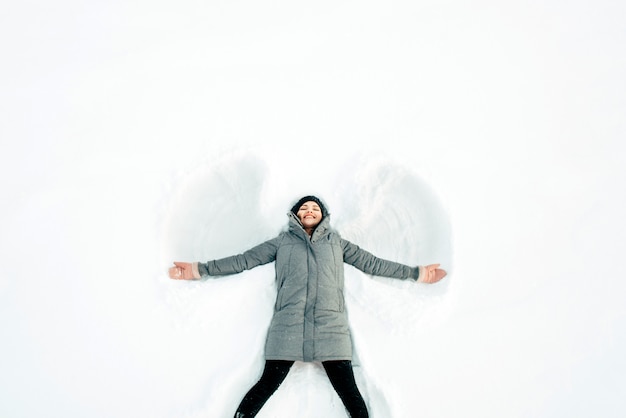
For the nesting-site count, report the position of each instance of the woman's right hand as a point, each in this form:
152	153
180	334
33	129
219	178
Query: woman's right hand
431	273
184	271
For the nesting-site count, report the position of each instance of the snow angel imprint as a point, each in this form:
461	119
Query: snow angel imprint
310	322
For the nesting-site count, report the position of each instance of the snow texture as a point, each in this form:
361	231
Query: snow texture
486	136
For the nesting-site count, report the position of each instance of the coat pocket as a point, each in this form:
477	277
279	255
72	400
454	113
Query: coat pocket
290	297
329	298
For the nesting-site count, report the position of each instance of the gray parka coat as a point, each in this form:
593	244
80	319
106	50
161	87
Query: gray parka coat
310	321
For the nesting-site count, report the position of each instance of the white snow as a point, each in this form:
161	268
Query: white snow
486	136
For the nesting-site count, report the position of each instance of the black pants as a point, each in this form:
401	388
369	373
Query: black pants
340	375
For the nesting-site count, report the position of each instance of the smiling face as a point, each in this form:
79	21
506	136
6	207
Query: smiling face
310	215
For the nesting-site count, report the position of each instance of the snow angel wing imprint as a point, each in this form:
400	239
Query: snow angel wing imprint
210	216
394	215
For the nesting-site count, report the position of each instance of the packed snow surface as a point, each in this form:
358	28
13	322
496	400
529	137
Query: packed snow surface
484	136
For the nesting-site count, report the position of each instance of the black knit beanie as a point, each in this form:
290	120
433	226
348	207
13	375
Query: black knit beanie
315	199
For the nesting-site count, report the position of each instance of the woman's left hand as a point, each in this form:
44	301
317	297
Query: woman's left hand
431	273
184	271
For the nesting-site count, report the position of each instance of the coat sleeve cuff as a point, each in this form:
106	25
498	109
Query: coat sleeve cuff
203	269
415	273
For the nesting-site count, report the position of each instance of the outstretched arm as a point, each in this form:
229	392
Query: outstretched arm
261	254
369	263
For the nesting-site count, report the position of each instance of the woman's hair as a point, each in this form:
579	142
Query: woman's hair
305	199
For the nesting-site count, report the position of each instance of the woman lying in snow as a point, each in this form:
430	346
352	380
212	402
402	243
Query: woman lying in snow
310	322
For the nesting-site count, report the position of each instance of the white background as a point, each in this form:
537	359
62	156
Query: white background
136	132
